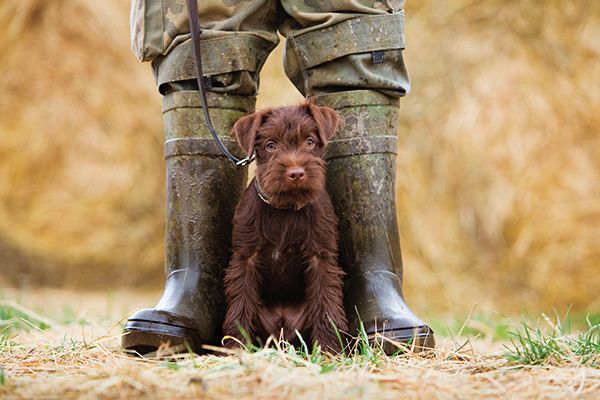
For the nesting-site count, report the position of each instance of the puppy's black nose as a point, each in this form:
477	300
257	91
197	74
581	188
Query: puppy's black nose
295	174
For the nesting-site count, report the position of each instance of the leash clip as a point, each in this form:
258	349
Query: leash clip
246	160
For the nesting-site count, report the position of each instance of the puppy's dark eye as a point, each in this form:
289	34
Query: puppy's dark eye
310	142
271	146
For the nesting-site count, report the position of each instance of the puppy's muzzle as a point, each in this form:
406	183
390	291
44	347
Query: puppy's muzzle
295	174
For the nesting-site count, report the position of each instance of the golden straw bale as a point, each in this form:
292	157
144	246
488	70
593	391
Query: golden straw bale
499	167
81	150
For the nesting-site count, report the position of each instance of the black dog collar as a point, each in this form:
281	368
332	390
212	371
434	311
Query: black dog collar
265	197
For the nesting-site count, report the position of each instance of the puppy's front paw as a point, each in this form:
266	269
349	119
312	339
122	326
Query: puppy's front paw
327	338
329	344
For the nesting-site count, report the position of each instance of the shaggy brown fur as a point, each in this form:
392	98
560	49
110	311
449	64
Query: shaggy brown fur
283	275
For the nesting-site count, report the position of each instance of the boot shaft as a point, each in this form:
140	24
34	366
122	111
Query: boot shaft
203	187
361	166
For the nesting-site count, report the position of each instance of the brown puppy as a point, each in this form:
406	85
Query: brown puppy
283	275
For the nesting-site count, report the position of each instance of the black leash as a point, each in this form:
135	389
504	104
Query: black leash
193	17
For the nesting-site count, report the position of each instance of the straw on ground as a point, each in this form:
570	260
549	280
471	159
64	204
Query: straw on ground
80	358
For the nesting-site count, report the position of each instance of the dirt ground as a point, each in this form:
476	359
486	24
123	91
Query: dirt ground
79	357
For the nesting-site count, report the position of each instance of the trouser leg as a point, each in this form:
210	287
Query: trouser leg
236	38
341	45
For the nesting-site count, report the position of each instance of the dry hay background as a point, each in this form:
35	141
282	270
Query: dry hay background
498	172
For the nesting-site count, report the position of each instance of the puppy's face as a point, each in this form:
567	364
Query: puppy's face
289	143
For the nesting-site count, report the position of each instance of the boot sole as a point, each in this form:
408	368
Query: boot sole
147	330
415	339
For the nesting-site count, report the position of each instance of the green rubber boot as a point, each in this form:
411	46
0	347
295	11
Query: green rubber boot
361	167
203	188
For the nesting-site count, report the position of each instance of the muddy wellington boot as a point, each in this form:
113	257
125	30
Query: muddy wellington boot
203	188
361	167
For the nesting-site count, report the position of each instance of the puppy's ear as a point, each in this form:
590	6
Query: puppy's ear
246	129
327	120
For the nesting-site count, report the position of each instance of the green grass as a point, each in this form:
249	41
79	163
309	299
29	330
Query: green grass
361	351
551	341
16	318
478	325
2	377
531	342
499	327
5	342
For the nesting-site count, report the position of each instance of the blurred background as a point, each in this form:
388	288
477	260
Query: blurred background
498	183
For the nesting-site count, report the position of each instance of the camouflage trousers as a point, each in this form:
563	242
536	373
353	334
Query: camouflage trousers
331	45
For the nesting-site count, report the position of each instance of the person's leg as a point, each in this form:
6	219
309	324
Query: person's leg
348	54
203	187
